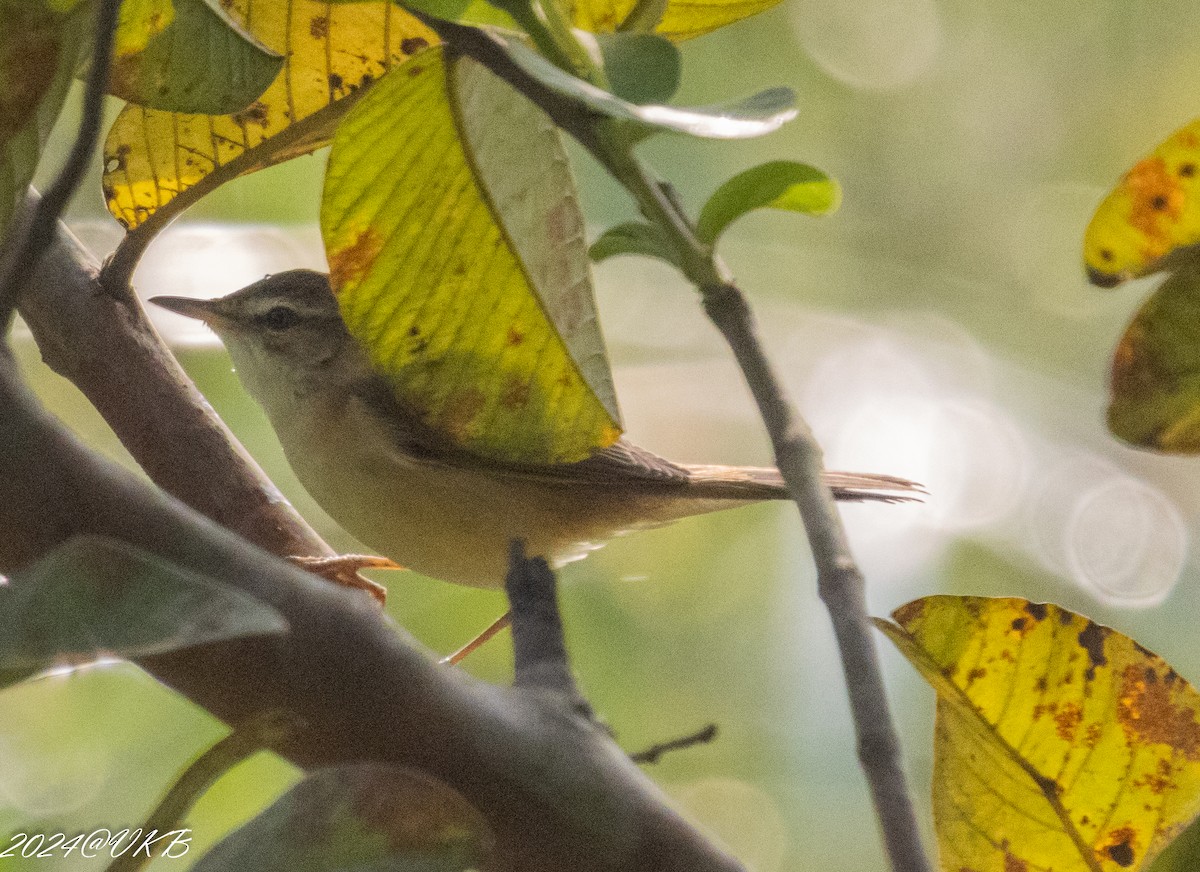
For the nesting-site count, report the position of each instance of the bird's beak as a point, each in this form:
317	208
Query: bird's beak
203	310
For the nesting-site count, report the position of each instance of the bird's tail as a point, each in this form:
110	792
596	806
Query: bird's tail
765	483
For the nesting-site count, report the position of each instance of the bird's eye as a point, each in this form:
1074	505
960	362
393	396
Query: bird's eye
279	318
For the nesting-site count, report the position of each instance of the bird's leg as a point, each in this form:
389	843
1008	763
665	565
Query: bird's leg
495	627
343	569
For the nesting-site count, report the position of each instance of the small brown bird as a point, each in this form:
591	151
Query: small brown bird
401	489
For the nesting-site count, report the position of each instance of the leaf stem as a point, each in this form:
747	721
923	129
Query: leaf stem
27	250
252	736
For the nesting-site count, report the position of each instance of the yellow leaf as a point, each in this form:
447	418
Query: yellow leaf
331	51
139	21
1060	744
683	19
477	306
1153	211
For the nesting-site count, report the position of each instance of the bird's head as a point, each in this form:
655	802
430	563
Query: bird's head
283	331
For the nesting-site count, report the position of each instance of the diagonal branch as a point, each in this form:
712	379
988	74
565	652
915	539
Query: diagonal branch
556	791
100	339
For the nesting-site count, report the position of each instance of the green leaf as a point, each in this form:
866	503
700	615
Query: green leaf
369	818
779	184
641	67
93	596
633	237
40	51
456	247
1155	380
758	115
188	56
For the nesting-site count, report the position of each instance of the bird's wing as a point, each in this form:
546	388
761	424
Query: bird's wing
625	466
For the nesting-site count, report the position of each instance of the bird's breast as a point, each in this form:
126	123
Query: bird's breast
450	522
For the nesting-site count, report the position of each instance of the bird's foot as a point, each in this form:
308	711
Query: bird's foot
343	569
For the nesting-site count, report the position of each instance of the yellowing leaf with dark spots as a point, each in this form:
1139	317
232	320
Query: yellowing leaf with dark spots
1060	744
331	51
682	19
1152	212
456	247
1155	381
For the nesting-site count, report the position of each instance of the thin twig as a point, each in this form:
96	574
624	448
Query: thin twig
27	251
839	580
652	754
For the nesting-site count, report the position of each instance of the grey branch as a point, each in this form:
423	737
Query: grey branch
839	580
539	647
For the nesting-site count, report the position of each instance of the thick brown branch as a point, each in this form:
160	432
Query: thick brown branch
103	342
556	791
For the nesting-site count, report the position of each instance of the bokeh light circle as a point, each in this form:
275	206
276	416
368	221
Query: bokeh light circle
1126	542
875	45
741	816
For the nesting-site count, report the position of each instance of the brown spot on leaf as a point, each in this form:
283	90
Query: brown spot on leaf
1067	721
515	336
1036	610
1159	781
318	26
1018	624
1120	846
462	408
1092	639
516	394
351	263
336	82
1014	864
909	613
256	113
1133	371
413	44
1147	712
1158	201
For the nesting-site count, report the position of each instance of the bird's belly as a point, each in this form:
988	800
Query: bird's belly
452	523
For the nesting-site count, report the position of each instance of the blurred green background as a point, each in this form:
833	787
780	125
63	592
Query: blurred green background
939	327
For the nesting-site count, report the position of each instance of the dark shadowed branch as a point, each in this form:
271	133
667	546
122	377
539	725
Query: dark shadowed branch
557	793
